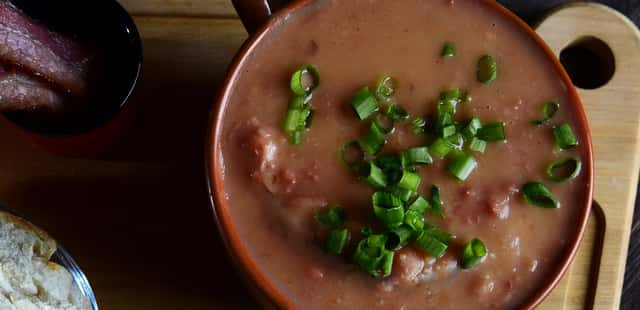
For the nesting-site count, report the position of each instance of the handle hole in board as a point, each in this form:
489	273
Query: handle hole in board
589	62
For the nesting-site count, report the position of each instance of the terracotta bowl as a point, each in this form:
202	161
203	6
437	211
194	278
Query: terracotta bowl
259	17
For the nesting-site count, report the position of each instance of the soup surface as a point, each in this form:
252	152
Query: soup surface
274	188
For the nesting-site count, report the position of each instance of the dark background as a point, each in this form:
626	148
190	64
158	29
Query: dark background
530	10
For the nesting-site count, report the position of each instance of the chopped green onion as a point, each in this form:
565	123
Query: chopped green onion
487	70
549	109
474	252
451	97
337	240
299	101
388	209
472	128
420	205
397	113
371	255
477	145
564	136
448	50
364	103
436	202
398	237
409	180
296	137
444	115
385	123
537	194
389	162
449	131
351	153
418	124
461	166
440	148
293	119
438	233
387	263
366	231
305	80
372	174
331	217
416	155
402	193
456	141
414	220
492	132
564	164
431	245
386	88
374	139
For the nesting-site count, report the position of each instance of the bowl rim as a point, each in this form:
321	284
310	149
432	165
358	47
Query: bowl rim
213	162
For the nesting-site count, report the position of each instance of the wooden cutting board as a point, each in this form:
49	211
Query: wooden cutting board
139	223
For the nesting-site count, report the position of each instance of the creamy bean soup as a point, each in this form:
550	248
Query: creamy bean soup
410	154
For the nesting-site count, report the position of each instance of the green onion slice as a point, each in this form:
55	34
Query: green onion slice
351	153
366	231
372	174
418	124
397	113
461	166
449	131
402	193
571	167
474	252
305	80
386	88
477	145
472	128
299	101
440	148
487	70
414	220
398	237
436	202
448	50
337	240
296	137
420	205
456	141
416	156
451	97
388	209
364	103
331	217
385	123
438	233
372	256
538	194
549	109
374	139
430	244
492	132
564	136
409	180
389	162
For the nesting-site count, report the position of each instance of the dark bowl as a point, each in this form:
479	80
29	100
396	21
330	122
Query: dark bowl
107	30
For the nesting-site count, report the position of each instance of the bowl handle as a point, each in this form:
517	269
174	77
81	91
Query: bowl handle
254	13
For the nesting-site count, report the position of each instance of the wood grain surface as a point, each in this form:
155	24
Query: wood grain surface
138	221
